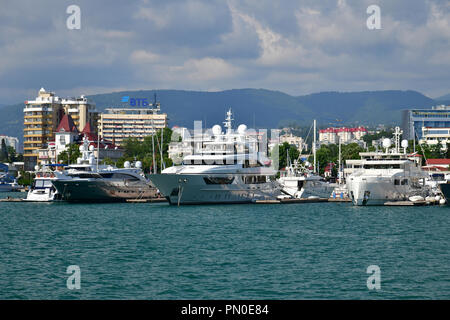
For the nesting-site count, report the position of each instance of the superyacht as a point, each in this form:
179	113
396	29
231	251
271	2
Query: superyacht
224	168
88	181
388	176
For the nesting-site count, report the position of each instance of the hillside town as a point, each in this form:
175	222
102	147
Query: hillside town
54	125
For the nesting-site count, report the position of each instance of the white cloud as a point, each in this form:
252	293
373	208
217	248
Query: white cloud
143	56
204	69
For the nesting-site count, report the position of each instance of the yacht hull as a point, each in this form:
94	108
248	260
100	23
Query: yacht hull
192	189
102	191
445	189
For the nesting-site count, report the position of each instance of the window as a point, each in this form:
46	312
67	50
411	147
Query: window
219	180
254	179
62	140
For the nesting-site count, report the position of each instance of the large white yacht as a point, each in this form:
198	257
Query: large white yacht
388	176
224	168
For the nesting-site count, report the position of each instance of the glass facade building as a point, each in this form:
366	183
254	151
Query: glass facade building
415	119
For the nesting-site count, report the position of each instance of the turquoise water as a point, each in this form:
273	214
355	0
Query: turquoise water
157	251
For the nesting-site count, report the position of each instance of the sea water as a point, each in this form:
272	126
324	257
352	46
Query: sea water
254	251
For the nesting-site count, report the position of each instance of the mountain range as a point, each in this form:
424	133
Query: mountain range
258	108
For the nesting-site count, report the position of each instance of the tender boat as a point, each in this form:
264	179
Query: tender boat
42	189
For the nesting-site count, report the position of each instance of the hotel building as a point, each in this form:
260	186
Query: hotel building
434	136
119	124
42	117
415	119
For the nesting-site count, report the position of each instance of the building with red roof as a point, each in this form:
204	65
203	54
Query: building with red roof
344	134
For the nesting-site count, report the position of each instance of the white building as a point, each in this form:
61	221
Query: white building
346	135
434	136
10	142
298	142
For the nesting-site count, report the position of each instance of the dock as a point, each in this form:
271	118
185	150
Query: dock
286	201
9	199
411	203
155	200
339	200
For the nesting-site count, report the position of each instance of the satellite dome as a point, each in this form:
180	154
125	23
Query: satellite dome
36	168
242	129
138	164
405	143
386	143
81	148
216	129
126	164
91	147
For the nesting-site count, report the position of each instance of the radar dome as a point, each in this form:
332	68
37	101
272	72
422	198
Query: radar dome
81	148
91	147
404	143
126	164
36	168
138	164
307	164
242	129
216	129
386	143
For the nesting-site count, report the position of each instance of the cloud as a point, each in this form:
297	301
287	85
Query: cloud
205	69
142	56
297	47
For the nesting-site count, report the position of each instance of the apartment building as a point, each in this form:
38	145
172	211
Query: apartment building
42	117
345	135
118	124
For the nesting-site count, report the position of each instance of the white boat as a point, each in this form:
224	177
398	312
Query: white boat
299	182
387	176
225	168
42	189
8	183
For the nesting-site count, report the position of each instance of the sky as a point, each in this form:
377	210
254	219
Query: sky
298	47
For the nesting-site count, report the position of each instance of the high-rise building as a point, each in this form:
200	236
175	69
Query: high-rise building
414	120
82	111
119	124
42	117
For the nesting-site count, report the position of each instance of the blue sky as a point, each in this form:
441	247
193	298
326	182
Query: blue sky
297	47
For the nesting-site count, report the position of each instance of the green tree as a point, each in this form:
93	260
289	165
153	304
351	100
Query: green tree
3	152
26	178
70	155
330	153
284	149
135	150
12	156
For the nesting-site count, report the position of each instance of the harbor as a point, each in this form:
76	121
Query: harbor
157	251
